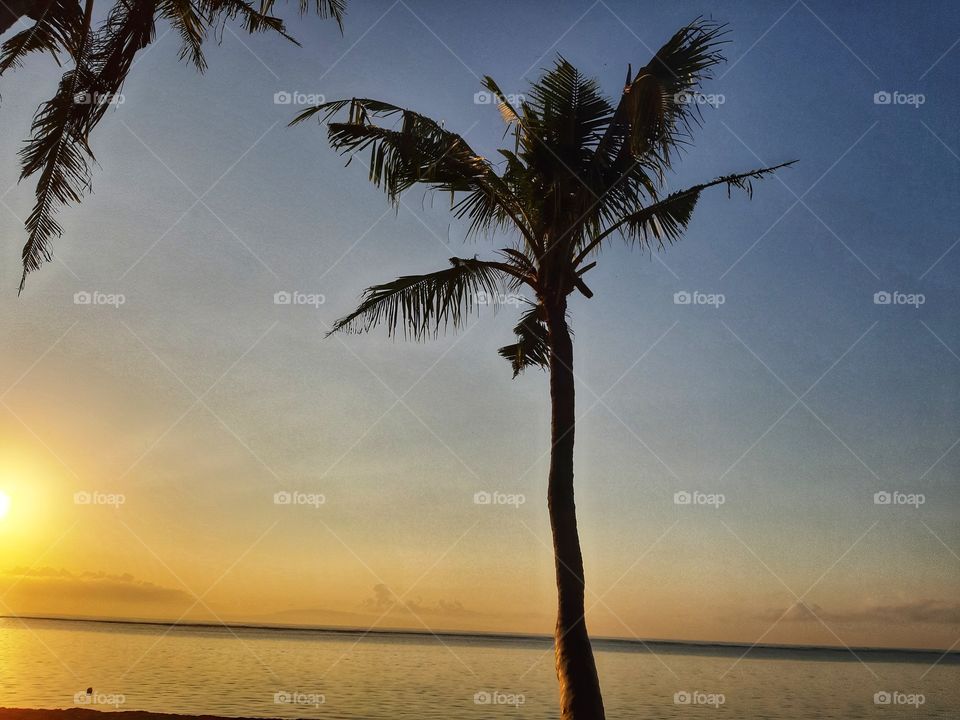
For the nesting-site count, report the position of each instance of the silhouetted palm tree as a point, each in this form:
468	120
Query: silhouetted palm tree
101	57
581	171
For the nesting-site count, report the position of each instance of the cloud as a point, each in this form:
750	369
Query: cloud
923	611
58	585
384	600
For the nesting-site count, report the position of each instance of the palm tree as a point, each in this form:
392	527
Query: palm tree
101	58
581	171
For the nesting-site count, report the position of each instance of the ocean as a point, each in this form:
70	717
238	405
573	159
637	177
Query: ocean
290	673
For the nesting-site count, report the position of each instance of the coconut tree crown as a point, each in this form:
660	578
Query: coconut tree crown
581	169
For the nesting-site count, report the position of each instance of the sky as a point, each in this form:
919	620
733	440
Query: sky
143	441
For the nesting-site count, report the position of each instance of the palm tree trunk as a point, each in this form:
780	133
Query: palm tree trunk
580	697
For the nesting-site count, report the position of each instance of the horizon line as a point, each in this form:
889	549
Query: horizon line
948	655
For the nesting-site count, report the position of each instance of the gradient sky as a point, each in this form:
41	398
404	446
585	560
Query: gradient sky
199	398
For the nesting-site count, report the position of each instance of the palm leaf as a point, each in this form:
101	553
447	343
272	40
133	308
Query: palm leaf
421	151
191	25
335	9
654	117
423	304
531	348
58	150
668	218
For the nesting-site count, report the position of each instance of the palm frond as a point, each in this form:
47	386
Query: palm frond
191	25
655	116
531	348
666	219
252	20
422	305
41	37
58	150
421	151
58	29
335	9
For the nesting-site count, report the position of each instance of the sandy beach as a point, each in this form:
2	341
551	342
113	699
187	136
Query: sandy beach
87	714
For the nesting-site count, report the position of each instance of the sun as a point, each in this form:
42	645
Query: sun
4	504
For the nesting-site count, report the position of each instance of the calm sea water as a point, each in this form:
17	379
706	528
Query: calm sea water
308	674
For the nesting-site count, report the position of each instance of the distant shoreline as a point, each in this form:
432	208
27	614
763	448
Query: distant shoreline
670	646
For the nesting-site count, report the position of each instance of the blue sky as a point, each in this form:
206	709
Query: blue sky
691	397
